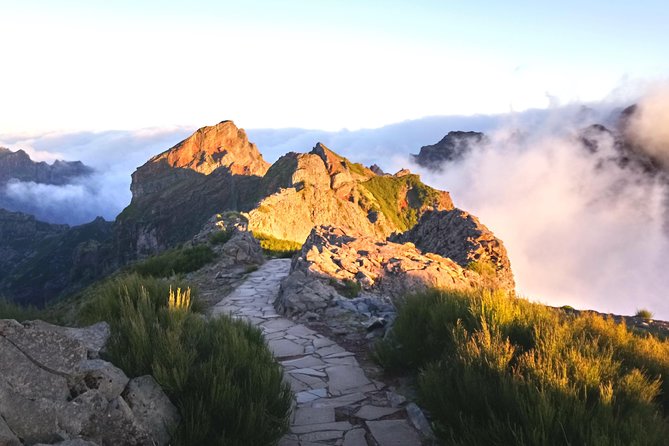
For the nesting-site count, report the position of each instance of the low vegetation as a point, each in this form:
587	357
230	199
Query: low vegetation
11	310
351	289
389	195
494	370
646	314
219	372
275	247
175	261
220	237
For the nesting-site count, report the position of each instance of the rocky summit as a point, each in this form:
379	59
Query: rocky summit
452	147
217	169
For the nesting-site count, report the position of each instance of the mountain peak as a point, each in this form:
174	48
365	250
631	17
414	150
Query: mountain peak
212	147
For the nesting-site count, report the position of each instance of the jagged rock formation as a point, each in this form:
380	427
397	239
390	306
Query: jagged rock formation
217	170
461	237
452	147
54	388
18	166
335	261
174	193
39	261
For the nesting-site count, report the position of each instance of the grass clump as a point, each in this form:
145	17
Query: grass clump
219	372
643	313
220	237
494	370
351	289
275	247
175	261
12	310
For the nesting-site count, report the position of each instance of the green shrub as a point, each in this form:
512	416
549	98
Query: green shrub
219	373
220	237
275	247
497	370
175	261
646	314
351	289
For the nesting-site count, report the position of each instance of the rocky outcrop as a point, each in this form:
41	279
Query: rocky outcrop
54	389
18	166
452	147
461	237
336	262
40	261
174	193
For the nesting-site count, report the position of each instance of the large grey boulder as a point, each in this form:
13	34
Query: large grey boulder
461	237
54	389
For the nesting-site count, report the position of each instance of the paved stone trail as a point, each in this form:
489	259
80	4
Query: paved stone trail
336	404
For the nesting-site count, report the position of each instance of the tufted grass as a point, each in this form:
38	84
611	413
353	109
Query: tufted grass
494	370
12	310
275	247
219	373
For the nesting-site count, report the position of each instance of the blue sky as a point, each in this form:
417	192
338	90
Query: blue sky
94	65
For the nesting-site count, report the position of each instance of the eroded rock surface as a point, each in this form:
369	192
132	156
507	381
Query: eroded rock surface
461	237
54	389
334	261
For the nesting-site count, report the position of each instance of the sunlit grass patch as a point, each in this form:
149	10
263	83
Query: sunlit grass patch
498	370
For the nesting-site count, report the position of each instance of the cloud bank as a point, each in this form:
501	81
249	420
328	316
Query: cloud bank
580	229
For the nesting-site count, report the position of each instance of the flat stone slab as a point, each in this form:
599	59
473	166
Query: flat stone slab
356	437
312	415
283	348
345	377
393	433
375	412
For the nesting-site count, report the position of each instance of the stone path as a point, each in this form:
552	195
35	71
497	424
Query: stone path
335	402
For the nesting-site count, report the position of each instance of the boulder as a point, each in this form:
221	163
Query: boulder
461	237
54	389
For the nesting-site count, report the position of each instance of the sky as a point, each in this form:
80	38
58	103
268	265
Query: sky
101	65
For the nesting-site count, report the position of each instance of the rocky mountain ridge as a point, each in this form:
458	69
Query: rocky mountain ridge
17	165
217	169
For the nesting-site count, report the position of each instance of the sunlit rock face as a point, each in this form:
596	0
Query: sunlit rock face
175	192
